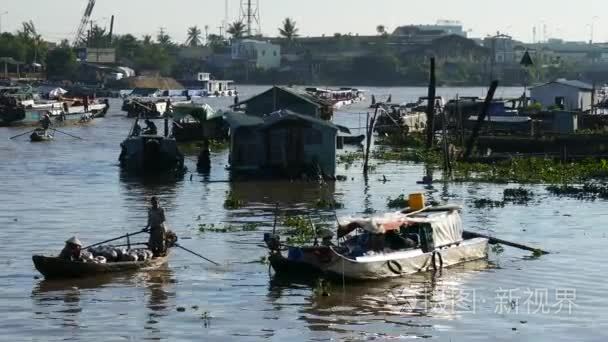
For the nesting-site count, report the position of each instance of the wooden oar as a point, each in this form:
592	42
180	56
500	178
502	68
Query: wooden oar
118	238
73	136
17	136
495	241
198	255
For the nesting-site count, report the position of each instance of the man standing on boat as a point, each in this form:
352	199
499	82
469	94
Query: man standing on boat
72	249
156	228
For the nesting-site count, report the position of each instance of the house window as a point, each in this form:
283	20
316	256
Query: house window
263	52
274	53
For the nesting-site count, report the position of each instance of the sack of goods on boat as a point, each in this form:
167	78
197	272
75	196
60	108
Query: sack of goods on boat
104	254
383	246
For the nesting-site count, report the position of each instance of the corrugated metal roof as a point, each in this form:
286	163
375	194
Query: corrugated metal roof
281	115
295	92
570	83
236	120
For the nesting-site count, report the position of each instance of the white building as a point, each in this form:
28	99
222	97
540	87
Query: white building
263	55
570	95
449	27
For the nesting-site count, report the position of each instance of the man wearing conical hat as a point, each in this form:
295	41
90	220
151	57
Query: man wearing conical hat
72	248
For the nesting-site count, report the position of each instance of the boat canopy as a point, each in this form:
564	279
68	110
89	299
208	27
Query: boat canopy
446	225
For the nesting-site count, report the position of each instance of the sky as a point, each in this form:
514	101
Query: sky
570	20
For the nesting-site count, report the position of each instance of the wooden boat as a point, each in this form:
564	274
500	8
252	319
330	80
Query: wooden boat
151	153
390	245
41	134
55	268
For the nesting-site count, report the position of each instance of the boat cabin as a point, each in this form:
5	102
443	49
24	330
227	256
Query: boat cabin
393	232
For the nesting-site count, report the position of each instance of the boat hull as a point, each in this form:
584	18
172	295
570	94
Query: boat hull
40	136
380	266
151	155
31	117
56	268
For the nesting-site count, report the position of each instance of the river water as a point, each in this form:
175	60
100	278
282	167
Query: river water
51	191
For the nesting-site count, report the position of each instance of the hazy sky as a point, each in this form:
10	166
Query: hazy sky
570	20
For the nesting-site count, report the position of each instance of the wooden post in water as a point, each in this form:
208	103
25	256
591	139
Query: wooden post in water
369	126
430	109
480	119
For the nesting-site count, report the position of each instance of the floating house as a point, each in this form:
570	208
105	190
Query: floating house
564	94
283	144
196	121
295	100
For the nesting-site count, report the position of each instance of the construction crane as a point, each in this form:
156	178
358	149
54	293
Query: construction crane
80	36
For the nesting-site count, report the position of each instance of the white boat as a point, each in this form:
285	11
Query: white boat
338	97
387	246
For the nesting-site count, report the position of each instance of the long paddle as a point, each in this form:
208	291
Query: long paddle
495	241
17	136
198	255
118	238
73	136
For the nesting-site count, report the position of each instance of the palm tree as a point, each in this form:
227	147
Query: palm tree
147	39
289	29
237	29
194	36
381	29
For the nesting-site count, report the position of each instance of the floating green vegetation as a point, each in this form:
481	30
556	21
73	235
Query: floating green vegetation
300	231
218	145
531	170
322	288
232	202
397	203
251	226
417	155
517	196
350	157
415	140
323	203
487	203
587	191
212	228
498	249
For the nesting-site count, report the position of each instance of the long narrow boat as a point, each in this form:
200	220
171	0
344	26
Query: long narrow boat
391	245
54	268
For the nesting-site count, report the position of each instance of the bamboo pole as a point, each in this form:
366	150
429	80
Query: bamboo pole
430	110
480	119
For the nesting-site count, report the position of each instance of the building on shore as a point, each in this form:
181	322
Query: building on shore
259	54
283	144
277	98
570	95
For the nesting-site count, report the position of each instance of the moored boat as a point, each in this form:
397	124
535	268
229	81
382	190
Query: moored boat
391	245
54	267
338	97
147	152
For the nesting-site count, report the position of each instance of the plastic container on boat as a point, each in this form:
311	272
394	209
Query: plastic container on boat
416	201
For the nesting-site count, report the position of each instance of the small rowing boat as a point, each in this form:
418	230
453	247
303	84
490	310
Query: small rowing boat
54	267
41	134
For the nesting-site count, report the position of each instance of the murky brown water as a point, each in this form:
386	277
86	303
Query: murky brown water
55	190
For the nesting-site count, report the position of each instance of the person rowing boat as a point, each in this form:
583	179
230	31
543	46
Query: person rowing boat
156	228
